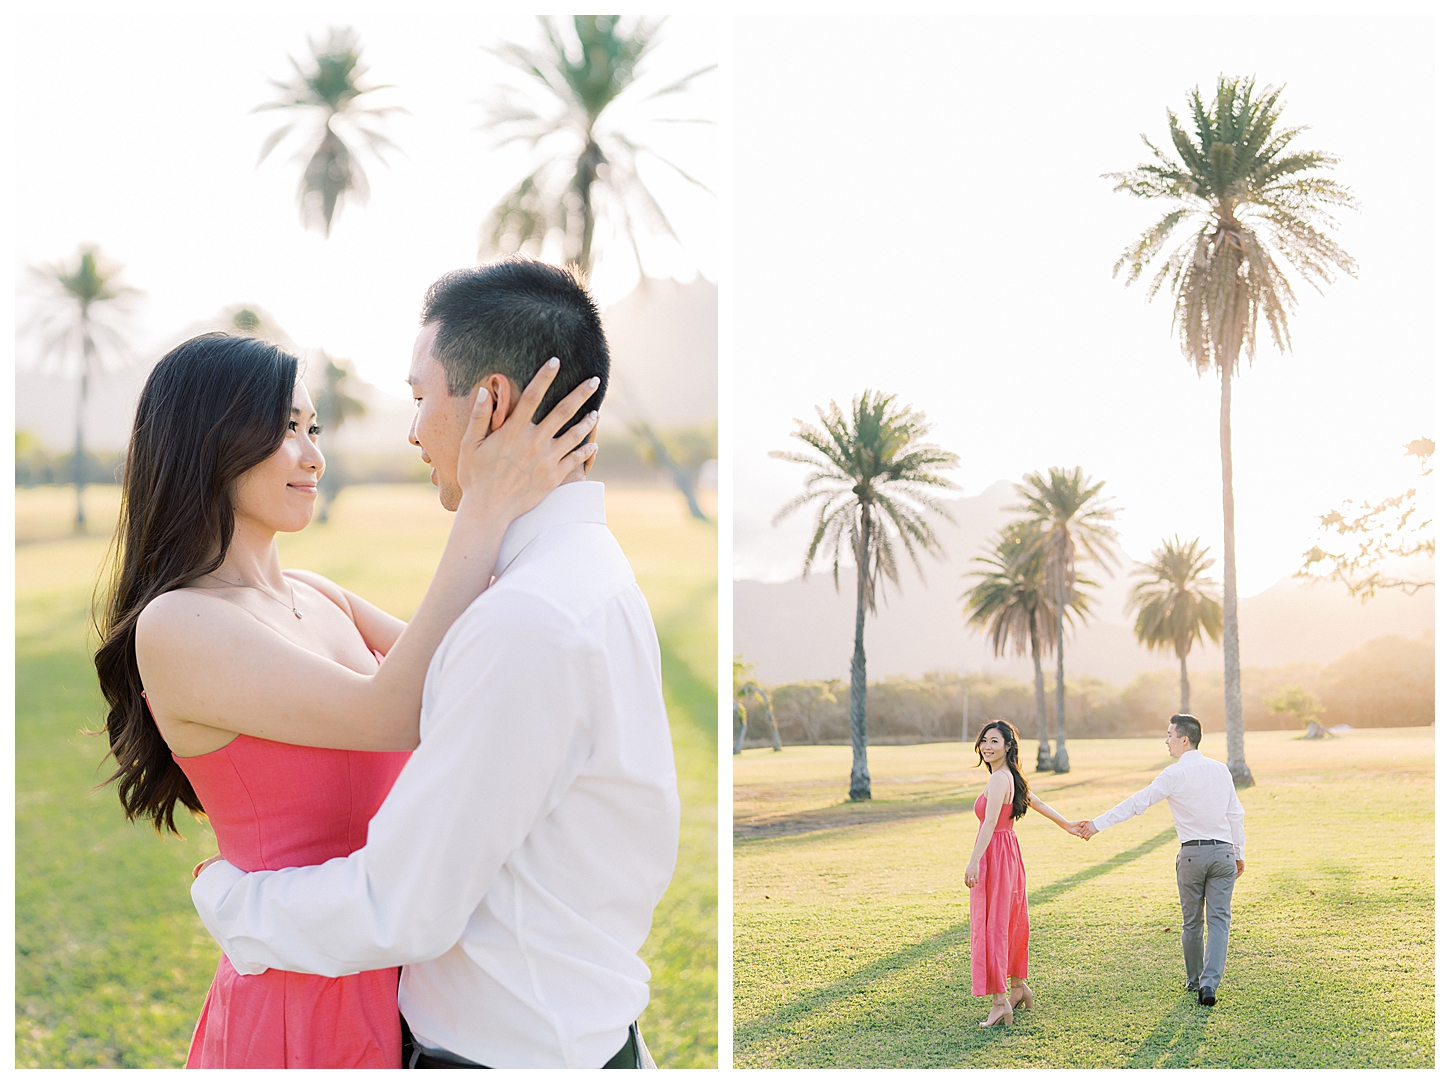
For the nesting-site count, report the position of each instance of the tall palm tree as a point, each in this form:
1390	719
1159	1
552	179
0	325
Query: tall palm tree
328	91
1240	198
335	405
1012	601
872	473
1069	515
84	310
582	125
1177	604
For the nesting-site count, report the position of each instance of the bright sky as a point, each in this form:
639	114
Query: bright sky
919	209
137	134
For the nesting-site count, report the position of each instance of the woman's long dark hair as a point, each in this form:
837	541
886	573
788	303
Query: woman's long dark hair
1009	736
212	409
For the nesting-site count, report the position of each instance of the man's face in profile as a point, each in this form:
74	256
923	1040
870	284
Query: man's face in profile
440	420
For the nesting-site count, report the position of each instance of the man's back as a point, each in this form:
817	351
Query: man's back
547	960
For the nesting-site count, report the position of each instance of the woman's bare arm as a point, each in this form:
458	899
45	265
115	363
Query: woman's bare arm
999	787
209	664
1047	811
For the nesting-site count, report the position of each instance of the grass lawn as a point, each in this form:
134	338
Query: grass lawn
852	942
112	963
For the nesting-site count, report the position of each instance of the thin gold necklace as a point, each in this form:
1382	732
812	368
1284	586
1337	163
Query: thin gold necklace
291	606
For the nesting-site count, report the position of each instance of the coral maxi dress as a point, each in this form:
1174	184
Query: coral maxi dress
999	908
274	806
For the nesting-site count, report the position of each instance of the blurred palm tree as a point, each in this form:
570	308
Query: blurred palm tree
335	405
1013	602
588	166
328	91
589	163
257	322
1177	604
746	689
1069	516
1240	196
81	322
872	476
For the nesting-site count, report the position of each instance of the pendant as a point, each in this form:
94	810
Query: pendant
296	614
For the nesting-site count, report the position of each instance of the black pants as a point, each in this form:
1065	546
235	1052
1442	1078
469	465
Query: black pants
414	1058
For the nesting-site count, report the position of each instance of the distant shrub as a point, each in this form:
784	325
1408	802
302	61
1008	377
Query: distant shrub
1386	682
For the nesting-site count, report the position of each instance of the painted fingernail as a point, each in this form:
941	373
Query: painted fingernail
552	363
593	415
594	382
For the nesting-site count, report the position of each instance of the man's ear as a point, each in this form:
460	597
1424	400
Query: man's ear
505	398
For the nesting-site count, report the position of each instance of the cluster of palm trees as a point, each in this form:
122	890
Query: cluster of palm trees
1244	200
583	128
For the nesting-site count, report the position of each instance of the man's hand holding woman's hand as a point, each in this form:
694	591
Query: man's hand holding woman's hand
514	467
1082	829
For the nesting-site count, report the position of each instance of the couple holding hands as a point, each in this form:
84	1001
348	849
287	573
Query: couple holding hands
1206	814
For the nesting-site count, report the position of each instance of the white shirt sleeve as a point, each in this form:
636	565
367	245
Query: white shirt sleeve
1154	792
1236	821
508	732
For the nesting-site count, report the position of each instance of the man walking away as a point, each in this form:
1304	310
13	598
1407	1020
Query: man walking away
1210	824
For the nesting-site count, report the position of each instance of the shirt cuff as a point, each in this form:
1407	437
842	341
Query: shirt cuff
208	891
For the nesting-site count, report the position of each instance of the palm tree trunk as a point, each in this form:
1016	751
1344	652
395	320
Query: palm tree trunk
1044	743
1233	702
1059	762
78	460
586	172
740	718
860	774
1183	684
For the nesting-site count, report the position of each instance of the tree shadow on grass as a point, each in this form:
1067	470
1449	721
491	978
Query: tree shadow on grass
1050	892
1176	1041
762	1028
845	815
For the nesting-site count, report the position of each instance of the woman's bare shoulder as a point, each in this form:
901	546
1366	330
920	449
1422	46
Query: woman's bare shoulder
171	620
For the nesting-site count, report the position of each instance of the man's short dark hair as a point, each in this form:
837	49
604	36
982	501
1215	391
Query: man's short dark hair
1188	727
511	316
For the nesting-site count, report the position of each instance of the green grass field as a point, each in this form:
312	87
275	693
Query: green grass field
112	963
852	943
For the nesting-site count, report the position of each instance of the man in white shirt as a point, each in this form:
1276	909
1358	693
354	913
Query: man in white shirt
515	866
1210	824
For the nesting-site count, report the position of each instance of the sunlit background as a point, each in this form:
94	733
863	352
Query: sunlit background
141	136
944	232
151	204
921	209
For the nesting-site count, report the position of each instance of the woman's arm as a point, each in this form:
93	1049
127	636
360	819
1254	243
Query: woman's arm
998	788
209	664
1051	814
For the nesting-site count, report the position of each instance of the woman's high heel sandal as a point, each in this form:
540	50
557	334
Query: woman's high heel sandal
1000	1014
1021	996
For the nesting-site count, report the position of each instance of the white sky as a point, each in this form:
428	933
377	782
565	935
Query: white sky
136	133
918	209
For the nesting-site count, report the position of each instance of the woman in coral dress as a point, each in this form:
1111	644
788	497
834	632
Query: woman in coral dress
279	704
997	877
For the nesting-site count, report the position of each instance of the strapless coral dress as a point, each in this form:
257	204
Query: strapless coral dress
273	806
999	908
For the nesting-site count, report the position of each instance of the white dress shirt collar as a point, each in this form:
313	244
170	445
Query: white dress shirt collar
573	502
1183	756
